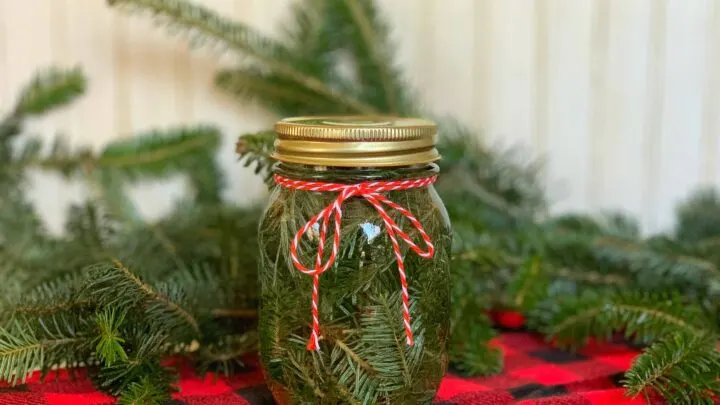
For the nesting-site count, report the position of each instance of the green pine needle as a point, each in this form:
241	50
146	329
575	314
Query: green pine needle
366	36
21	353
109	348
144	392
204	26
158	154
471	352
698	217
642	317
50	89
29	346
658	268
116	286
122	378
274	91
530	285
683	368
48	299
255	150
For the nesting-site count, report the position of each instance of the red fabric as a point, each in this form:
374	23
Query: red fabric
535	374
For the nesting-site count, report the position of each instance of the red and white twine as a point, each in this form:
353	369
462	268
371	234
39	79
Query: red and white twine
371	191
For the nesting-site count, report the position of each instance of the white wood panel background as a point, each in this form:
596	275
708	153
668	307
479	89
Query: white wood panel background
620	96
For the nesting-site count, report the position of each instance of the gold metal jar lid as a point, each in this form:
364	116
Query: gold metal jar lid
356	141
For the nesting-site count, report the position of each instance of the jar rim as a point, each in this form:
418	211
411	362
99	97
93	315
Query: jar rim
341	174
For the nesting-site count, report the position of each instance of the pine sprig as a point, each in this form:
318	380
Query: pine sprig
470	350
205	26
255	150
683	368
366	36
146	348
48	299
273	91
157	154
143	392
109	347
698	216
641	317
28	346
529	286
116	286
658	269
50	89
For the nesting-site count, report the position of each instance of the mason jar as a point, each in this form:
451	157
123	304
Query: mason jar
355	260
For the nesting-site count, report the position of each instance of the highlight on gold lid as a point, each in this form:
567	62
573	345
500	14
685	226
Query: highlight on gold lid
362	141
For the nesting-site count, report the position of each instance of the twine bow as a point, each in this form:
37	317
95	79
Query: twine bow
371	191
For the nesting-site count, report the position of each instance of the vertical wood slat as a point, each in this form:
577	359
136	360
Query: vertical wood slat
711	98
541	100
598	101
512	106
568	108
680	151
35	26
630	39
655	104
122	58
5	97
451	60
481	62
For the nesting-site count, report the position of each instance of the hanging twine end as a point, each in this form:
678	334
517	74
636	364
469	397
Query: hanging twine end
409	340
313	345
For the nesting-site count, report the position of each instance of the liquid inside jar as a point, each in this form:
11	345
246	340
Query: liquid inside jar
363	356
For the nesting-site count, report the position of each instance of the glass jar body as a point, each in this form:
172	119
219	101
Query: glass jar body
363	355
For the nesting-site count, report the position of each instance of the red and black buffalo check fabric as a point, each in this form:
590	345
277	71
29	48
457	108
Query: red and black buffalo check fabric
535	374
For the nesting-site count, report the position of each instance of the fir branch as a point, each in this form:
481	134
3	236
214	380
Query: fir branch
356	26
146	348
529	286
26	347
683	368
255	149
50	89
144	392
471	352
643	317
61	158
360	12
274	92
658	269
159	153
117	286
48	299
698	216
590	277
206	26
224	355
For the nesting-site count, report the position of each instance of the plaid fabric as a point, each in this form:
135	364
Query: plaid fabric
535	374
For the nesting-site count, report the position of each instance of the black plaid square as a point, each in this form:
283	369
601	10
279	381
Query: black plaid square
556	356
537	391
17	388
256	395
